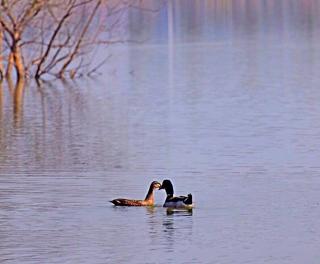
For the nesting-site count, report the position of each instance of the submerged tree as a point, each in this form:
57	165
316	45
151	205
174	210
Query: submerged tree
57	37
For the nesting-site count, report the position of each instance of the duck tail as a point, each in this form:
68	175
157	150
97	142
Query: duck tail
189	199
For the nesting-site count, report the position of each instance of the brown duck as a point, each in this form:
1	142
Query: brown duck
148	201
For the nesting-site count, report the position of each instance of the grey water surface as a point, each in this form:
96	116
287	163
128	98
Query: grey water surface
222	97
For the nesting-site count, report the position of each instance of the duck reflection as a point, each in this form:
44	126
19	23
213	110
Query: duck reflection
169	233
172	211
151	210
177	225
167	225
153	221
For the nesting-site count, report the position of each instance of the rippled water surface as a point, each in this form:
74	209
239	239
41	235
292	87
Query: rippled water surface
223	99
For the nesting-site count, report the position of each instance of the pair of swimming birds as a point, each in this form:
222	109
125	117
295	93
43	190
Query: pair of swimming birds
171	200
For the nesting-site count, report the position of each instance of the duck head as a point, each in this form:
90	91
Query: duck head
167	185
155	185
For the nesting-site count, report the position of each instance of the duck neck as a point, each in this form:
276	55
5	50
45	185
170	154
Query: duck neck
149	196
169	190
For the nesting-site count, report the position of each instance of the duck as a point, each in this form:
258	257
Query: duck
175	201
148	201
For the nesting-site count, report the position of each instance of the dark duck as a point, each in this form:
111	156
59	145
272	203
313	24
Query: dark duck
175	201
148	201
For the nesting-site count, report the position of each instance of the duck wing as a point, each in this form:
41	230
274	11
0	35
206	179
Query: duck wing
176	200
127	202
185	199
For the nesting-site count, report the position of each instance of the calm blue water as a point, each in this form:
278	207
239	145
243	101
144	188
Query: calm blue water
223	100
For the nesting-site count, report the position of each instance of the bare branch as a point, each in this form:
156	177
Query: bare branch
77	47
53	37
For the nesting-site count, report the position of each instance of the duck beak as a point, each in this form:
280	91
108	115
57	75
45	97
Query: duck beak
156	185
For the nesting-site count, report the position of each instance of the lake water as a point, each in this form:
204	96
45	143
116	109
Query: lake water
222	98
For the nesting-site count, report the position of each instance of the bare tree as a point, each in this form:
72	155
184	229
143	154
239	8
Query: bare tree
57	37
14	18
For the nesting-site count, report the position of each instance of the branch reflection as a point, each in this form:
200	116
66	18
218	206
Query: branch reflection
18	102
